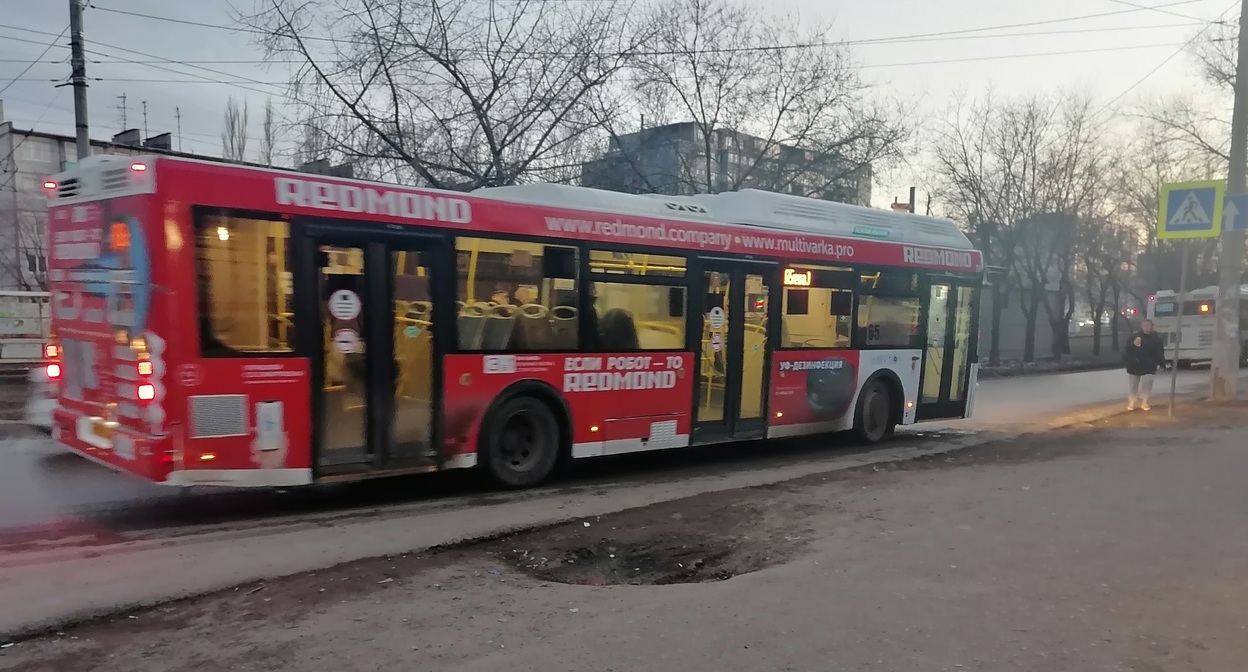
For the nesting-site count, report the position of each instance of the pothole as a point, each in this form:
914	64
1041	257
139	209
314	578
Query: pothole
663	548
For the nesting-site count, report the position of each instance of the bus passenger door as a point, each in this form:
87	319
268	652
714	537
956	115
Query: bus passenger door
368	326
951	334
733	354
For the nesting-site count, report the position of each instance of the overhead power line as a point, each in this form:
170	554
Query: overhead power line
291	61
238	81
37	59
916	37
1183	47
1155	8
970	59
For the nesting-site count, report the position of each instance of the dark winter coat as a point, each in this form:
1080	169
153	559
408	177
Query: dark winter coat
1143	359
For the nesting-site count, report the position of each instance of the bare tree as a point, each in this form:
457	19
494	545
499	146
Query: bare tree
1215	52
1142	163
234	137
1197	123
1103	266
1023	175
268	134
33	254
748	100
449	93
23	263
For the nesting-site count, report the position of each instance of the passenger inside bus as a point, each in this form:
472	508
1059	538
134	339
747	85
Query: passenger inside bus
619	331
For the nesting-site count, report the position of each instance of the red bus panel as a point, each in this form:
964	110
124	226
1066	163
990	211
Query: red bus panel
618	403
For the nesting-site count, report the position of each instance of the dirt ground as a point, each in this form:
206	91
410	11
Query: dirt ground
1118	546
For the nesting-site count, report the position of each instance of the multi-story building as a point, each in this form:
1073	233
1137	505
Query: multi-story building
682	159
27	158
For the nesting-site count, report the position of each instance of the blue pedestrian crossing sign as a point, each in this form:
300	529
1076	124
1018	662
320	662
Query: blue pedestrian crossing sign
1191	210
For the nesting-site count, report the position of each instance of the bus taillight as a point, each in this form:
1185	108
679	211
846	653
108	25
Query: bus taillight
52	353
147	392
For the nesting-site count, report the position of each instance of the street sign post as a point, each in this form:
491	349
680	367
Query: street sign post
1192	210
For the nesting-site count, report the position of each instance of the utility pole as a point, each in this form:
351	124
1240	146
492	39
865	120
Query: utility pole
912	190
1224	372
78	63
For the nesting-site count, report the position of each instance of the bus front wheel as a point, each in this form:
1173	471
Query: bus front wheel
520	442
873	420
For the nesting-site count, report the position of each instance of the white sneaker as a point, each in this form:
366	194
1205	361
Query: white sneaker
1131	406
1145	407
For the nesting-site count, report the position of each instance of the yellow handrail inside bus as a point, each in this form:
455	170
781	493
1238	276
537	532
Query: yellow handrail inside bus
472	269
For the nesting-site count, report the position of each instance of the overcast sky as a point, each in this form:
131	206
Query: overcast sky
178	62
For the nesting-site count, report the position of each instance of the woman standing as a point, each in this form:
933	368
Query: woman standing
1143	354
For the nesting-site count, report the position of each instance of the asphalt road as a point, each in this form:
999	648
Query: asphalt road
43	488
1108	548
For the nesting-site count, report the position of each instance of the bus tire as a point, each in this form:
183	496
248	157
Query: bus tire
520	442
874	419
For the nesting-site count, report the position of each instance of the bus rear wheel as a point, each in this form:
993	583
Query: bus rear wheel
520	442
873	419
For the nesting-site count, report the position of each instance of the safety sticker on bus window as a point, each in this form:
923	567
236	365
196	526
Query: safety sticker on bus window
346	341
344	304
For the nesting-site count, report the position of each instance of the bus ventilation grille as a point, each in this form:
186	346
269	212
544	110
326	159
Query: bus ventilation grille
218	415
114	178
68	188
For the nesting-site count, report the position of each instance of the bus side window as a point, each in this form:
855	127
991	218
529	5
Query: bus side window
243	284
516	296
638	301
888	321
817	307
640	317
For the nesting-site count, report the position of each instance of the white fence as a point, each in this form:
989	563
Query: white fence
25	318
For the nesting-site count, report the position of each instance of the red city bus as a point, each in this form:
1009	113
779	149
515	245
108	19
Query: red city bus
226	325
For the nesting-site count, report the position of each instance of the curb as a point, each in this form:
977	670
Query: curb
72	617
990	374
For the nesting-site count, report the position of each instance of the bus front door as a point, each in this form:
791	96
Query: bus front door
733	357
367	324
950	329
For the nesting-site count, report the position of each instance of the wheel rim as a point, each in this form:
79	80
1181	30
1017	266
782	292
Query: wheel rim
875	415
522	442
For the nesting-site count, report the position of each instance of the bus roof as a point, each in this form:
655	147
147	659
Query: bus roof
784	225
749	207
1210	291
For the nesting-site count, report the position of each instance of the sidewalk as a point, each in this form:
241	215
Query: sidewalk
1113	547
